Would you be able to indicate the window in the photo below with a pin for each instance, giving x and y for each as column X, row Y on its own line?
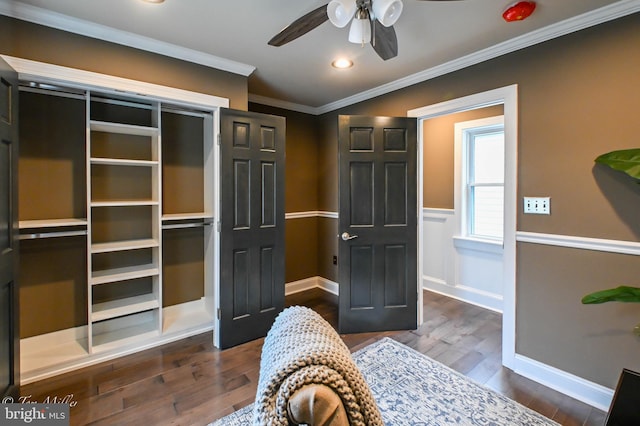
column 481, row 145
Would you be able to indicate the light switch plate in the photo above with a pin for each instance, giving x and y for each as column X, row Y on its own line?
column 537, row 205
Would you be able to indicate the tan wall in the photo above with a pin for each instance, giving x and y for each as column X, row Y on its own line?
column 39, row 43
column 438, row 143
column 301, row 192
column 592, row 341
column 578, row 98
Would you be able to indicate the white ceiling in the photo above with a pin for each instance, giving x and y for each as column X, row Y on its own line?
column 433, row 37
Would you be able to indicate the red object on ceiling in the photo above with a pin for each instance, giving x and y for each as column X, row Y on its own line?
column 519, row 11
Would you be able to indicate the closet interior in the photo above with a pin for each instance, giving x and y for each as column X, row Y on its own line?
column 116, row 215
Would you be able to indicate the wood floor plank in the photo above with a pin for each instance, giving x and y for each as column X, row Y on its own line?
column 190, row 382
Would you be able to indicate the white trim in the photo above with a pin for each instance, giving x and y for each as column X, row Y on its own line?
column 71, row 77
column 509, row 97
column 477, row 244
column 329, row 286
column 328, row 215
column 464, row 294
column 583, row 243
column 576, row 387
column 37, row 15
column 311, row 283
column 317, row 213
column 589, row 19
column 428, row 212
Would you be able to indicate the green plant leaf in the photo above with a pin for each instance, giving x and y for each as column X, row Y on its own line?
column 626, row 160
column 618, row 294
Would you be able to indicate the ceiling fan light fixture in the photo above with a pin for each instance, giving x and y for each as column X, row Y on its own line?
column 387, row 11
column 360, row 31
column 340, row 12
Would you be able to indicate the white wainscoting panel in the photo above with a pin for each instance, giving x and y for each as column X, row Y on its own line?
column 465, row 270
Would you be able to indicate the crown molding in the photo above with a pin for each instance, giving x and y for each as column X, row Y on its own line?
column 277, row 103
column 41, row 16
column 36, row 15
column 604, row 14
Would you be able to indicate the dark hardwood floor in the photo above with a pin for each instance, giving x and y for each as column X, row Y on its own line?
column 190, row 382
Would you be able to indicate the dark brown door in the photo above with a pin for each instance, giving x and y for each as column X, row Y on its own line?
column 9, row 343
column 378, row 235
column 252, row 230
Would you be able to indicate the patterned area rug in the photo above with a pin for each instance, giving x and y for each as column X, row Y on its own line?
column 412, row 389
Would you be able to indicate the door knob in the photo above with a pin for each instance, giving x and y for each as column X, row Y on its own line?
column 346, row 237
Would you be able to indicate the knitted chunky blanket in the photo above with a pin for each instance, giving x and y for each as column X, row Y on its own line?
column 303, row 349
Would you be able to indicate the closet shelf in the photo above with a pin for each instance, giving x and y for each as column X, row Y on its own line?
column 122, row 307
column 134, row 335
column 124, row 203
column 127, row 129
column 122, row 274
column 123, row 245
column 122, row 162
column 51, row 223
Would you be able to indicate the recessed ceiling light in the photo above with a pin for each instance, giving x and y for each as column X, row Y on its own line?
column 154, row 1
column 342, row 63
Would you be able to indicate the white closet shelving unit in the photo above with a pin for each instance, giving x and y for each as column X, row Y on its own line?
column 123, row 184
column 137, row 229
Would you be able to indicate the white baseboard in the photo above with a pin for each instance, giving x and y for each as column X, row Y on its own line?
column 311, row 283
column 576, row 387
column 470, row 295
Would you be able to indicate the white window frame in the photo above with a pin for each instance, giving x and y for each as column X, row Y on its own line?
column 462, row 193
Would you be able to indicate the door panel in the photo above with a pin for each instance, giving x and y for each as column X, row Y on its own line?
column 252, row 230
column 9, row 343
column 378, row 224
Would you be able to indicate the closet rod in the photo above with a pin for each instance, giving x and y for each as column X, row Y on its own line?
column 52, row 91
column 51, row 235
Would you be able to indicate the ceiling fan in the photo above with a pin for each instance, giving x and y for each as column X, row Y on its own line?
column 371, row 22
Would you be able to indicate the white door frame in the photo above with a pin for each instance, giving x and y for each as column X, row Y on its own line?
column 507, row 96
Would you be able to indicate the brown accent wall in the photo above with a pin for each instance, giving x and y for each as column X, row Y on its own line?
column 578, row 98
column 31, row 41
column 438, row 143
column 182, row 265
column 327, row 248
column 301, row 251
column 53, row 285
column 301, row 191
column 591, row 341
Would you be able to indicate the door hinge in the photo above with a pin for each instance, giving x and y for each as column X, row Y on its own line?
column 219, row 226
column 219, row 313
column 219, row 138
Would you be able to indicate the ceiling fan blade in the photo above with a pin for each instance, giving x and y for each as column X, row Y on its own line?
column 301, row 26
column 385, row 41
